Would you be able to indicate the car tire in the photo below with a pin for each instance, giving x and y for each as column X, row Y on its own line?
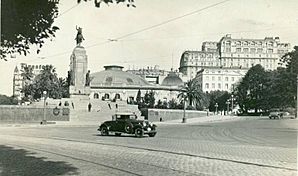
column 104, row 131
column 118, row 134
column 152, row 134
column 139, row 132
column 128, row 128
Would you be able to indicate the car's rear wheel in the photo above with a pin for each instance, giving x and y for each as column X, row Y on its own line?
column 128, row 128
column 152, row 134
column 104, row 131
column 139, row 132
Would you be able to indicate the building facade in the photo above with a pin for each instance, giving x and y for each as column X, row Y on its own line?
column 216, row 78
column 245, row 53
column 232, row 57
column 18, row 80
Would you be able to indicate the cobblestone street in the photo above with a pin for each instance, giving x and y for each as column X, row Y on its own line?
column 246, row 146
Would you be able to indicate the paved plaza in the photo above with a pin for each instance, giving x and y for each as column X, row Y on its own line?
column 231, row 146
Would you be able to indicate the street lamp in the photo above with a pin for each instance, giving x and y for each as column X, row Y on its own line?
column 232, row 102
column 228, row 105
column 216, row 106
column 184, row 107
column 44, row 121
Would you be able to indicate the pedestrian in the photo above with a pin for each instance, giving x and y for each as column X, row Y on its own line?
column 72, row 105
column 109, row 105
column 116, row 106
column 60, row 103
column 89, row 107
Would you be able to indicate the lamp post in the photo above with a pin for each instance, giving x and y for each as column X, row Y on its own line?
column 44, row 121
column 184, row 107
column 228, row 105
column 216, row 106
column 232, row 102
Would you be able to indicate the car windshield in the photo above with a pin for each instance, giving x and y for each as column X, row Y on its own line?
column 124, row 117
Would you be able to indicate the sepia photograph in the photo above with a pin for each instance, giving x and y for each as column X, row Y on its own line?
column 148, row 87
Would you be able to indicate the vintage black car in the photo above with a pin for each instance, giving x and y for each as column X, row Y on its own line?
column 127, row 123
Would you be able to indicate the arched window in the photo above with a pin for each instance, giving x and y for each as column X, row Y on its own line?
column 117, row 96
column 95, row 96
column 106, row 96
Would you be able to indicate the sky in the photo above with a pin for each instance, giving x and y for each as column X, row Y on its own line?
column 160, row 45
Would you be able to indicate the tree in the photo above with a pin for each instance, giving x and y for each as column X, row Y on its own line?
column 159, row 104
column 173, row 104
column 149, row 99
column 48, row 81
column 219, row 97
column 139, row 98
column 250, row 91
column 97, row 3
column 26, row 23
column 27, row 75
column 192, row 93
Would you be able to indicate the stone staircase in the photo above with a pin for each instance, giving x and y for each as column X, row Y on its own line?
column 100, row 110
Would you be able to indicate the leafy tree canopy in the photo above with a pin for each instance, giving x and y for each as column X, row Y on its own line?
column 48, row 81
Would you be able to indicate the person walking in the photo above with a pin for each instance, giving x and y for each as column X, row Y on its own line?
column 89, row 107
column 109, row 105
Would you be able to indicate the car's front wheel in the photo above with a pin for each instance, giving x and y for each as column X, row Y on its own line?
column 139, row 132
column 104, row 131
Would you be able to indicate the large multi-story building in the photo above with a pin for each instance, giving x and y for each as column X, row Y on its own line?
column 224, row 79
column 245, row 53
column 18, row 80
column 232, row 57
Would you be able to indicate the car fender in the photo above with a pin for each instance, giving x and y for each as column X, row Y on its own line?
column 137, row 126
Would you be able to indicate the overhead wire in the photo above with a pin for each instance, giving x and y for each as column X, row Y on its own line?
column 147, row 28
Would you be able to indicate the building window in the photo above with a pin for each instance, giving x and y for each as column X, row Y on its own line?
column 228, row 50
column 219, row 78
column 270, row 50
column 238, row 50
column 207, row 85
column 219, row 85
column 253, row 50
column 228, row 43
column 260, row 50
column 270, row 44
column 207, row 78
column 227, row 86
column 233, row 78
column 227, row 78
column 245, row 43
column 245, row 50
column 213, row 78
column 96, row 96
column 238, row 43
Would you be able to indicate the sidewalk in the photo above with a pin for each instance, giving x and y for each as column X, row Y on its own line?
column 213, row 118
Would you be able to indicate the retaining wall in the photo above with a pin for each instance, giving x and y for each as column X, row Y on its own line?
column 26, row 114
column 172, row 114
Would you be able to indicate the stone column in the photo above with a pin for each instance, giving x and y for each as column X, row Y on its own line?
column 78, row 68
